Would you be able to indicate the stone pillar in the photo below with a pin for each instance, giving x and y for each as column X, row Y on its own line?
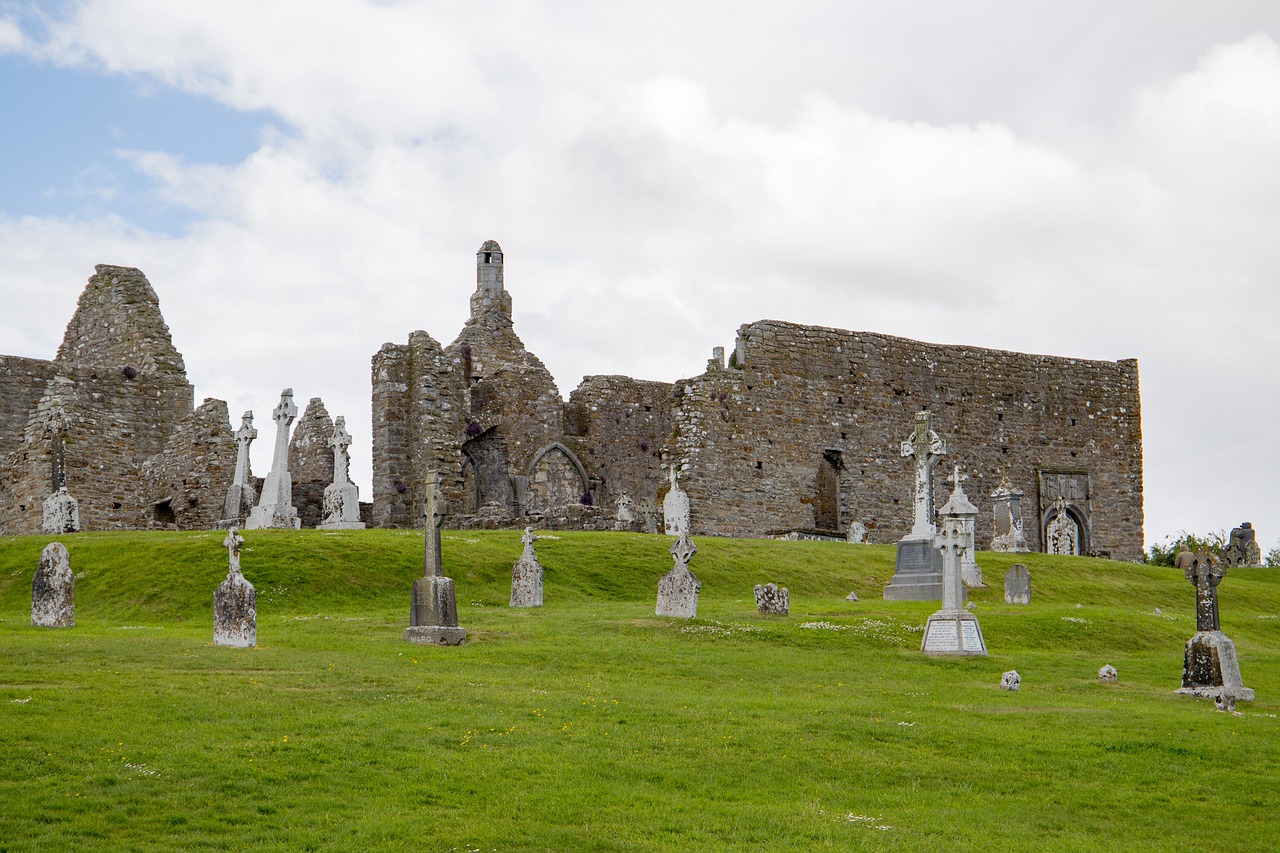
column 433, row 611
column 53, row 589
column 275, row 508
column 342, row 497
column 60, row 512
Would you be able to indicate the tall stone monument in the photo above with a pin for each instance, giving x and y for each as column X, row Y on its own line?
column 433, row 612
column 1010, row 538
column 678, row 590
column 342, row 497
column 526, row 575
column 275, row 507
column 1209, row 667
column 953, row 631
column 235, row 602
column 53, row 589
column 1242, row 547
column 675, row 508
column 60, row 513
column 241, row 495
column 917, row 571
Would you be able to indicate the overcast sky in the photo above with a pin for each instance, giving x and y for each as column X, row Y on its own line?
column 303, row 181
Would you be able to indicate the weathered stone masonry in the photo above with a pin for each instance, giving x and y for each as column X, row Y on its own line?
column 800, row 429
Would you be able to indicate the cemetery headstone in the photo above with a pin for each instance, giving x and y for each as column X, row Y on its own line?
column 275, row 507
column 1242, row 547
column 1210, row 667
column 235, row 602
column 678, row 590
column 1108, row 674
column 241, row 495
column 433, row 613
column 1011, row 681
column 1017, row 585
column 526, row 575
column 649, row 513
column 970, row 571
column 60, row 512
column 624, row 505
column 770, row 598
column 953, row 631
column 341, row 497
column 675, row 508
column 1010, row 538
column 857, row 533
column 917, row 571
column 53, row 589
column 853, row 596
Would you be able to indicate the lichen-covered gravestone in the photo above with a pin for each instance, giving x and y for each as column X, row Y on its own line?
column 678, row 590
column 53, row 589
column 1017, row 585
column 526, row 575
column 1108, row 675
column 1210, row 668
column 1007, row 505
column 1242, row 547
column 770, row 598
column 235, row 602
column 1011, row 681
column 433, row 612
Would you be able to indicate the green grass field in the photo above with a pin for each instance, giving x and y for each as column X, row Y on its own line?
column 591, row 724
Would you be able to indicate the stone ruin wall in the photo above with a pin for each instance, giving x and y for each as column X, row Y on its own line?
column 310, row 461
column 123, row 388
column 186, row 483
column 753, row 437
column 623, row 425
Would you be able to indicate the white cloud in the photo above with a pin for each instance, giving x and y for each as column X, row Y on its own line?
column 11, row 38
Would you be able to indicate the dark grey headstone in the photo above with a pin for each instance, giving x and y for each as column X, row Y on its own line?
column 1017, row 585
column 917, row 572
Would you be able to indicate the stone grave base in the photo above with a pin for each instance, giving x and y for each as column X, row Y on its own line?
column 953, row 633
column 1210, row 668
column 436, row 635
column 341, row 525
column 60, row 514
column 273, row 518
column 917, row 572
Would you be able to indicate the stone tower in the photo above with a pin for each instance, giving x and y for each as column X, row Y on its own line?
column 491, row 301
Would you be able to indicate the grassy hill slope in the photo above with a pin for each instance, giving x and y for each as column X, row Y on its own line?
column 592, row 724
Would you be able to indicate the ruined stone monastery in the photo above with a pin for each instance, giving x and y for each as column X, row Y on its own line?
column 799, row 429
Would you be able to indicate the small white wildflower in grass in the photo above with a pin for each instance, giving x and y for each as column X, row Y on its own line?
column 28, row 699
column 1267, row 616
column 547, row 536
column 1076, row 620
column 904, row 723
column 825, row 626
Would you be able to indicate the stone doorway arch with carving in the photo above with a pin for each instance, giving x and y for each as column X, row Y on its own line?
column 556, row 478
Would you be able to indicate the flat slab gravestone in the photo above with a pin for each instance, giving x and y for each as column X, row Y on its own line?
column 678, row 590
column 53, row 589
column 526, row 575
column 772, row 599
column 235, row 602
column 1017, row 585
column 433, row 609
